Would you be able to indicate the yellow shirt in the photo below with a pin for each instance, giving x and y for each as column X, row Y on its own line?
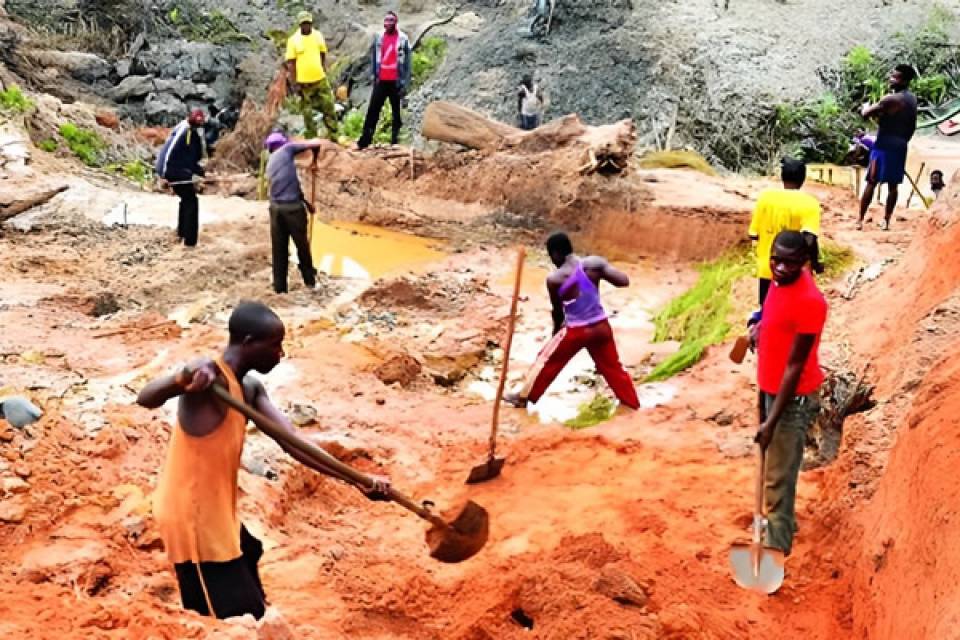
column 779, row 210
column 306, row 51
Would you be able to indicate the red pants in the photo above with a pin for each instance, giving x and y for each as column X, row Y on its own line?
column 598, row 340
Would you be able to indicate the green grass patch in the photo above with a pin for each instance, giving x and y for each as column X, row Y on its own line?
column 49, row 145
column 677, row 160
column 836, row 258
column 85, row 144
column 592, row 413
column 12, row 100
column 699, row 317
column 351, row 127
column 427, row 58
column 135, row 170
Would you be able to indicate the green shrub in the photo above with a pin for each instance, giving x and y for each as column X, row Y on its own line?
column 819, row 130
column 135, row 170
column 351, row 127
column 199, row 25
column 427, row 58
column 85, row 144
column 12, row 100
column 49, row 145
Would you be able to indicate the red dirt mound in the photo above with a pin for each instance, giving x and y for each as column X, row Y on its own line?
column 906, row 562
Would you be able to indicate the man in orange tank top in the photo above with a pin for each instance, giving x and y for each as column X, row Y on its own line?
column 195, row 505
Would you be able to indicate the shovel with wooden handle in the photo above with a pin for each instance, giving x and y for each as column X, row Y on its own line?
column 492, row 467
column 313, row 202
column 448, row 542
column 754, row 566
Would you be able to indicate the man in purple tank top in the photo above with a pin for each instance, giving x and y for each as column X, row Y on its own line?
column 579, row 322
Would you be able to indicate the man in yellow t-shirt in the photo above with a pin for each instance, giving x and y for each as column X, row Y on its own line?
column 784, row 209
column 306, row 61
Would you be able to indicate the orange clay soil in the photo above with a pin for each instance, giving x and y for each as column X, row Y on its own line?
column 619, row 531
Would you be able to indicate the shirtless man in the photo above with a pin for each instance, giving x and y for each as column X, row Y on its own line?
column 897, row 117
column 579, row 322
column 195, row 505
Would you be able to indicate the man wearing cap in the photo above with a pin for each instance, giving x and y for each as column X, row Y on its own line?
column 390, row 62
column 306, row 68
column 288, row 209
column 178, row 161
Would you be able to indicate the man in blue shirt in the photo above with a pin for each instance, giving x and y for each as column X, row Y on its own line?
column 288, row 209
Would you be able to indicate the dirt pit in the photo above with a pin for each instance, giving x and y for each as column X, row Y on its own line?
column 620, row 531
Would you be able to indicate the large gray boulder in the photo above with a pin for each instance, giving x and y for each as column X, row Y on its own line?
column 132, row 87
column 179, row 59
column 164, row 109
column 86, row 67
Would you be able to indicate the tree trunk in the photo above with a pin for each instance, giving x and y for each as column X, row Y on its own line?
column 11, row 205
column 449, row 122
column 606, row 147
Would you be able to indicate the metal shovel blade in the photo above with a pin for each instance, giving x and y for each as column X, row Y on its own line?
column 757, row 568
column 462, row 538
column 486, row 471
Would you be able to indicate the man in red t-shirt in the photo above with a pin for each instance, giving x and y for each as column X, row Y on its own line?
column 390, row 59
column 789, row 376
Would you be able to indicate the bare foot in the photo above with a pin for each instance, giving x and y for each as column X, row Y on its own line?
column 514, row 400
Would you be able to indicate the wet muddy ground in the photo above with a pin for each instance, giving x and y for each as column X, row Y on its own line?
column 618, row 531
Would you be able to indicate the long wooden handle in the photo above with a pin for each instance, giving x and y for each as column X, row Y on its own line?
column 758, row 506
column 322, row 458
column 923, row 165
column 511, row 323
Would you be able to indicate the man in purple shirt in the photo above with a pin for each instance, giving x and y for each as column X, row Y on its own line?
column 288, row 209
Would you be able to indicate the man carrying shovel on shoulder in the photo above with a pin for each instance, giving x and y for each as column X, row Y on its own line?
column 177, row 163
column 195, row 505
column 789, row 376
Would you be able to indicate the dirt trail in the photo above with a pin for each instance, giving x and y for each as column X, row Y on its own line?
column 619, row 531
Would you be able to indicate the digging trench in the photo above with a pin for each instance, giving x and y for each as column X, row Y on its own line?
column 619, row 531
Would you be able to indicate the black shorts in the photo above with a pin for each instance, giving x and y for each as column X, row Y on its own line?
column 234, row 586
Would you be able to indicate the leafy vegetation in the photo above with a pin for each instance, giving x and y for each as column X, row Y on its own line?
column 700, row 317
column 12, row 100
column 351, row 127
column 199, row 25
column 427, row 58
column 592, row 413
column 85, row 144
column 135, row 170
column 279, row 39
column 819, row 129
column 49, row 145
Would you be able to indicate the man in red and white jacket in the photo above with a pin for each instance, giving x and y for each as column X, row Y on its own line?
column 390, row 58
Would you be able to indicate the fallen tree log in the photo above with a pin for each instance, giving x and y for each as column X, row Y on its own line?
column 606, row 147
column 11, row 205
column 449, row 122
